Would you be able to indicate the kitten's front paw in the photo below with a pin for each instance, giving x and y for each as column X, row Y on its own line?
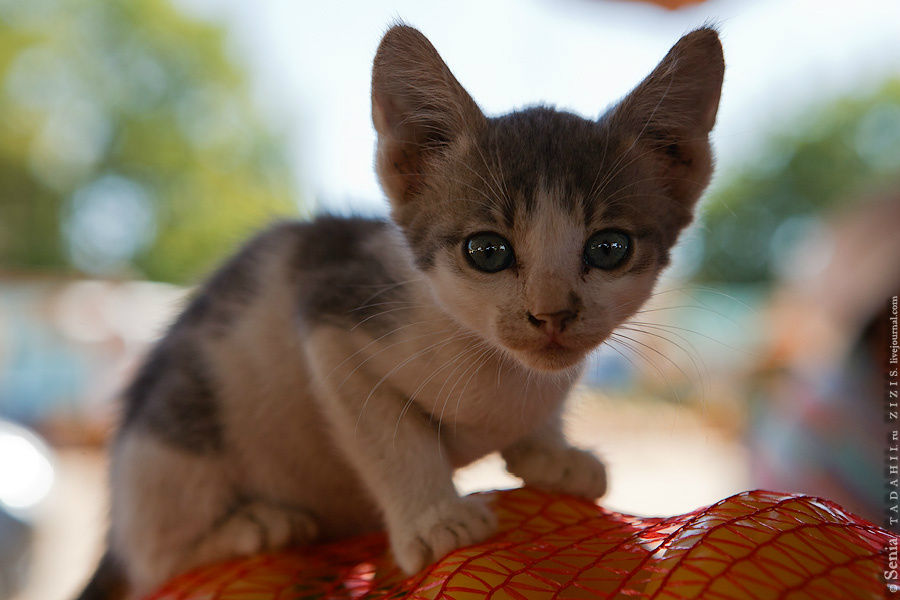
column 568, row 470
column 440, row 529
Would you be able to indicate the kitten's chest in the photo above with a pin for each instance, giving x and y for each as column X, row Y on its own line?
column 492, row 417
column 476, row 400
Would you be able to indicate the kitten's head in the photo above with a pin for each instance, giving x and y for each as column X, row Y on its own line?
column 539, row 229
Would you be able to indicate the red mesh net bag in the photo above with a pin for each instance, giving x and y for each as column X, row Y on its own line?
column 753, row 545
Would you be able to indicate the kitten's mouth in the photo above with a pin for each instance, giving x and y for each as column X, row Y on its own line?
column 552, row 356
column 555, row 352
column 552, row 353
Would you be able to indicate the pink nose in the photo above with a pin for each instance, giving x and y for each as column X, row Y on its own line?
column 554, row 322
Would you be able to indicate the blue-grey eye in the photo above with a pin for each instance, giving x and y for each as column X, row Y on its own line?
column 607, row 249
column 488, row 252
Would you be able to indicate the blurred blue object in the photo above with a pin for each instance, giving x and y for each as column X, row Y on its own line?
column 39, row 368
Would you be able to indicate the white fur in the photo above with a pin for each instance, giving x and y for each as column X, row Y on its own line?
column 331, row 433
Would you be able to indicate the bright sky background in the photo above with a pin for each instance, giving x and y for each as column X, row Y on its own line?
column 310, row 64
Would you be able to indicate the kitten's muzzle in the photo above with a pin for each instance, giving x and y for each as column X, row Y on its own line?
column 552, row 323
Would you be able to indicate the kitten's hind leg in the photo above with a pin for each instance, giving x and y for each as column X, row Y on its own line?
column 252, row 527
column 174, row 510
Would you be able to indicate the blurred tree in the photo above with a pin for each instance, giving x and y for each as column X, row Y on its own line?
column 128, row 142
column 834, row 156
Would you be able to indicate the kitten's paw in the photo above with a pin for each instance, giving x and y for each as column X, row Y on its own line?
column 441, row 529
column 568, row 470
column 260, row 526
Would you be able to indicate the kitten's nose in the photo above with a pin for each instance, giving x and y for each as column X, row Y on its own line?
column 553, row 322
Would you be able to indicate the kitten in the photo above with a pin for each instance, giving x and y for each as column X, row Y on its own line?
column 330, row 377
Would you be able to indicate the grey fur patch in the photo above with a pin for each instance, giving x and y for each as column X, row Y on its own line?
column 340, row 281
column 425, row 242
column 220, row 300
column 542, row 147
column 173, row 397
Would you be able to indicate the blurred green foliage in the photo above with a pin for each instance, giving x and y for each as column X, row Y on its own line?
column 129, row 145
column 830, row 157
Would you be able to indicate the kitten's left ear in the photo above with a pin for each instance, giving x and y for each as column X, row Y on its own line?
column 418, row 108
column 670, row 114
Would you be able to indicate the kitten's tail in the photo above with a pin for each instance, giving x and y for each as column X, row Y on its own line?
column 107, row 583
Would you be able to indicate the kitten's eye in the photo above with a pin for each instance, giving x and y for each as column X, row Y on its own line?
column 607, row 249
column 488, row 252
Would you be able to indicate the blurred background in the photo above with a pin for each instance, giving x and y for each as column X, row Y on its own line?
column 142, row 140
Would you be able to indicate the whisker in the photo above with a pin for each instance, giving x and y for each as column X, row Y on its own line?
column 695, row 332
column 375, row 341
column 724, row 295
column 390, row 286
column 688, row 306
column 387, row 303
column 660, row 372
column 379, row 314
column 608, row 343
column 385, row 349
column 450, row 391
column 445, row 364
column 652, row 349
column 494, row 190
column 694, row 356
column 394, row 370
column 484, row 358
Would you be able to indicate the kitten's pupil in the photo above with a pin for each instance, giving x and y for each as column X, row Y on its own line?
column 607, row 249
column 488, row 252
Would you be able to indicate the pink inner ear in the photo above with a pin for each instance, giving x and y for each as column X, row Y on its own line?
column 709, row 118
column 397, row 163
column 384, row 114
column 378, row 118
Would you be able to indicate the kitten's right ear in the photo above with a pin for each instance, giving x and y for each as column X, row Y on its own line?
column 670, row 114
column 418, row 107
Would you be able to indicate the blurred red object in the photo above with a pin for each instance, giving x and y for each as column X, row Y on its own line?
column 752, row 545
column 671, row 4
